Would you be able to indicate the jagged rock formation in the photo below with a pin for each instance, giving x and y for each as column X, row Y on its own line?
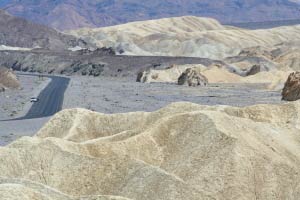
column 8, row 79
column 188, row 36
column 192, row 77
column 291, row 90
column 183, row 151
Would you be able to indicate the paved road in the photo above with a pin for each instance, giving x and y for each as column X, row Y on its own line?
column 50, row 99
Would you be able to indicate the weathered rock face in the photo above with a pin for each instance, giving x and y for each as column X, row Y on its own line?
column 192, row 77
column 183, row 151
column 291, row 90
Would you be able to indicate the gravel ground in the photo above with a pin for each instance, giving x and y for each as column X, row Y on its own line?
column 112, row 95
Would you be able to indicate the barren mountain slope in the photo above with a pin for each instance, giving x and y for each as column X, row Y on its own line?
column 17, row 32
column 185, row 36
column 183, row 151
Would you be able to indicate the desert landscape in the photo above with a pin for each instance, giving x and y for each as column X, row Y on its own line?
column 149, row 107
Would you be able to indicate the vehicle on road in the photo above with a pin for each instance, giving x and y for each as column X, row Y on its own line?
column 34, row 99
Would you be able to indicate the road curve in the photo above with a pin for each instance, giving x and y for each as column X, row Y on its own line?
column 50, row 99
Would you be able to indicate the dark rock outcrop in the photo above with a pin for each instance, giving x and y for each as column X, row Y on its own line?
column 2, row 88
column 192, row 77
column 104, row 51
column 139, row 77
column 291, row 90
column 92, row 69
column 254, row 70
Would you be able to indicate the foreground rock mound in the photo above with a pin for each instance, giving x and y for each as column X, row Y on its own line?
column 192, row 77
column 291, row 90
column 8, row 79
column 183, row 151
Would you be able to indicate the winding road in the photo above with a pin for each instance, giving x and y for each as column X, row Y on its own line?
column 50, row 99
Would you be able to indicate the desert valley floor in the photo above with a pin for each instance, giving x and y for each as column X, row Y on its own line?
column 121, row 95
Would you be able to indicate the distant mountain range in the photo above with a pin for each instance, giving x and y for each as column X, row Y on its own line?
column 73, row 14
